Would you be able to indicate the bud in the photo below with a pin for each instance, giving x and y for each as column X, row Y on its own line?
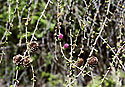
column 61, row 36
column 66, row 45
column 18, row 59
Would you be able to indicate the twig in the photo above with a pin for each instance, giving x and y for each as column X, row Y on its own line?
column 42, row 14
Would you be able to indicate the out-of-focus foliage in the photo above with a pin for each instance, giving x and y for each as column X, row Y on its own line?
column 82, row 22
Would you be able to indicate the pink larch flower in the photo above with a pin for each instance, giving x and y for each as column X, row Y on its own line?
column 61, row 36
column 66, row 45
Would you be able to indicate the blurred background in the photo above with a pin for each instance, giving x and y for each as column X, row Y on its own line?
column 91, row 28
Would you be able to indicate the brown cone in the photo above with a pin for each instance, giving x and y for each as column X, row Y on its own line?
column 18, row 59
column 80, row 62
column 33, row 46
column 26, row 61
column 92, row 60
